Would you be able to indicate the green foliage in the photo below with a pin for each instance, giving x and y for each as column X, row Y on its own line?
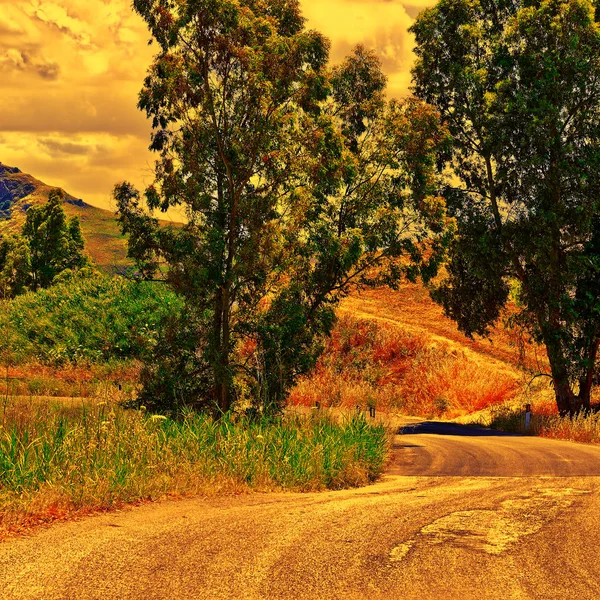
column 48, row 245
column 298, row 183
column 86, row 317
column 15, row 266
column 518, row 85
column 177, row 374
column 55, row 242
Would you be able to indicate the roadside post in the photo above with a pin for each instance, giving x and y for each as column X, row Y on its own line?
column 372, row 412
column 527, row 416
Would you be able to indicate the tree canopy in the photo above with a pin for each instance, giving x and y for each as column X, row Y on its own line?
column 518, row 85
column 49, row 244
column 298, row 182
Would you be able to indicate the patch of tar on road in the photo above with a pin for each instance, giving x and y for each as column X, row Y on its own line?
column 492, row 531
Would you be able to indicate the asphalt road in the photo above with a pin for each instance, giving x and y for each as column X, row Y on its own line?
column 460, row 514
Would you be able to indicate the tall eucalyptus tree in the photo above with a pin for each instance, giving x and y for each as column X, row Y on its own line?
column 518, row 85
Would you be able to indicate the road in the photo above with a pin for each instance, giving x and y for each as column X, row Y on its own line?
column 461, row 513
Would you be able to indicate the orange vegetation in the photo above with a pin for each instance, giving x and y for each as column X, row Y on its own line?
column 413, row 309
column 67, row 380
column 382, row 363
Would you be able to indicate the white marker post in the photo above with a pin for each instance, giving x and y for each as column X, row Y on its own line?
column 527, row 416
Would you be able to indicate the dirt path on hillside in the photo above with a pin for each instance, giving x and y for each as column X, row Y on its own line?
column 476, row 355
column 461, row 514
column 411, row 308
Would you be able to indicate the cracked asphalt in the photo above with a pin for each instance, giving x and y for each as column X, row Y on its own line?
column 461, row 513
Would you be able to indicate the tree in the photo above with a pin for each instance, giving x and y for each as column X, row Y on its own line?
column 15, row 266
column 518, row 85
column 262, row 146
column 55, row 242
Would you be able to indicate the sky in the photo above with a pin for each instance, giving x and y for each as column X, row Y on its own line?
column 71, row 70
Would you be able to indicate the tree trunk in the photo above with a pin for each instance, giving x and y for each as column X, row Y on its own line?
column 221, row 325
column 567, row 401
column 221, row 335
column 587, row 380
column 225, row 399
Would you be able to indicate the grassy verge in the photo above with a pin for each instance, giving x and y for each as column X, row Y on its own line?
column 582, row 428
column 56, row 460
column 102, row 380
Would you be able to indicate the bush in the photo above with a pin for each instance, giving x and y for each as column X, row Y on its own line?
column 87, row 317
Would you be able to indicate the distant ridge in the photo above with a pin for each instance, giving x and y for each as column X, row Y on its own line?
column 104, row 242
column 16, row 185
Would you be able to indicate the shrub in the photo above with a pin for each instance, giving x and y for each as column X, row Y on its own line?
column 87, row 317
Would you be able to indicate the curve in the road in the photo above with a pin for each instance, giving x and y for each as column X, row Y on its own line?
column 482, row 517
column 432, row 449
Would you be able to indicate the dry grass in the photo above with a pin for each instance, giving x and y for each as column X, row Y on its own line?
column 379, row 363
column 412, row 308
column 70, row 381
column 545, row 422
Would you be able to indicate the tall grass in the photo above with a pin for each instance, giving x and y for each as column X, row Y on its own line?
column 371, row 363
column 57, row 459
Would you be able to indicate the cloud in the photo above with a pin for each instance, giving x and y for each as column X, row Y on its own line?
column 57, row 147
column 378, row 24
column 86, row 165
column 56, row 15
column 21, row 60
column 71, row 71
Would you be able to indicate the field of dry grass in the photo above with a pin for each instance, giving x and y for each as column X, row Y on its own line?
column 380, row 363
column 412, row 308
column 69, row 381
column 396, row 350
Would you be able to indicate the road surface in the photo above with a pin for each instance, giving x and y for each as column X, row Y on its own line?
column 461, row 514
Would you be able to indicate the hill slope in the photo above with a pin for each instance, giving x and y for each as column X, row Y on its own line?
column 104, row 242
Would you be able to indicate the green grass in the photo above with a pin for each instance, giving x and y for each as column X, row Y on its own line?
column 104, row 242
column 58, row 459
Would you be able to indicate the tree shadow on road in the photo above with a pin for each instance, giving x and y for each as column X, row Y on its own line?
column 442, row 428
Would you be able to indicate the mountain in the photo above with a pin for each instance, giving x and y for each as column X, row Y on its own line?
column 104, row 242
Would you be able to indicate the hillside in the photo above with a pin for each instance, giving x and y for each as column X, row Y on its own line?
column 104, row 242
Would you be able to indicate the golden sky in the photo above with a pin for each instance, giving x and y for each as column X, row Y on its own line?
column 70, row 72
